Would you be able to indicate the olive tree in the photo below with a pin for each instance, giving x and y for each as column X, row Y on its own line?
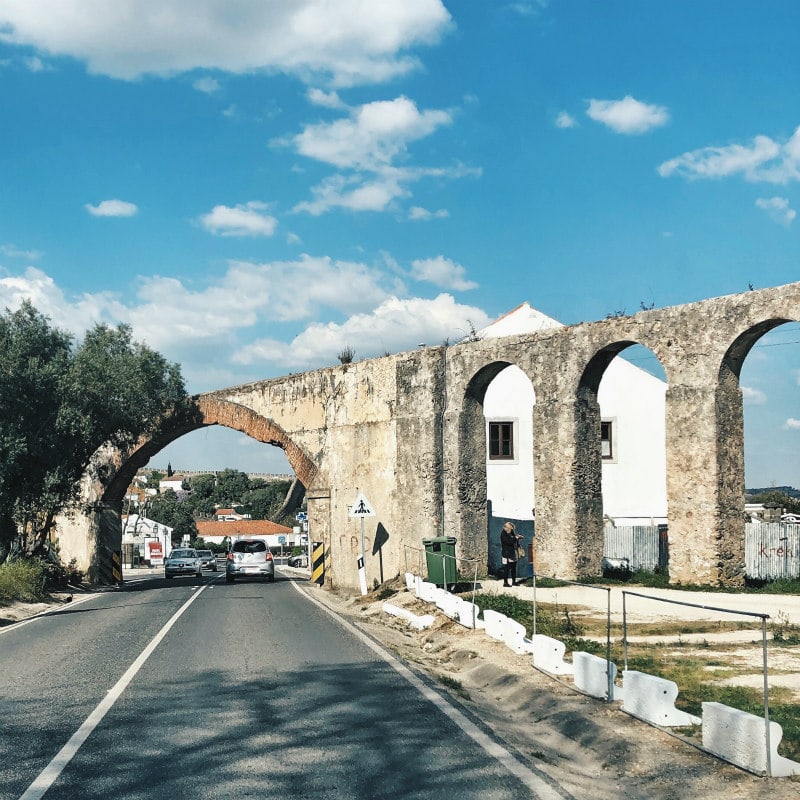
column 59, row 402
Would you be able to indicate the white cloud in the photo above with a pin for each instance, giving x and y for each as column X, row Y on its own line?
column 377, row 192
column 565, row 120
column 443, row 272
column 353, row 193
column 753, row 397
column 763, row 160
column 112, row 208
column 206, row 85
column 12, row 251
column 325, row 99
column 628, row 116
column 792, row 424
column 218, row 332
column 394, row 326
column 417, row 213
column 348, row 41
column 778, row 209
column 365, row 146
column 35, row 64
column 241, row 220
column 73, row 315
column 374, row 135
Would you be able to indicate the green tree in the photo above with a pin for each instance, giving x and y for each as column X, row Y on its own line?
column 167, row 509
column 201, row 497
column 266, row 498
column 778, row 498
column 230, row 487
column 59, row 402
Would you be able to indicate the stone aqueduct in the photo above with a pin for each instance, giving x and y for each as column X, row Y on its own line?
column 408, row 431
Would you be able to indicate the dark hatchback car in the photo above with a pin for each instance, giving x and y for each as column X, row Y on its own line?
column 208, row 560
column 249, row 558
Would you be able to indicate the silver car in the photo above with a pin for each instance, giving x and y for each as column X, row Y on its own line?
column 249, row 558
column 183, row 561
column 207, row 559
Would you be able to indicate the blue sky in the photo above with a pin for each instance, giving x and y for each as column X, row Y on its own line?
column 254, row 185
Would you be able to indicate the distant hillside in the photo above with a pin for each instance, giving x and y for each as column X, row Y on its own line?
column 787, row 490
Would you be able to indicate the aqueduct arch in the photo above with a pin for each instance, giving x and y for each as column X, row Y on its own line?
column 95, row 530
column 407, row 431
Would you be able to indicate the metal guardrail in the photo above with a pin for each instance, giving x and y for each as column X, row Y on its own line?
column 444, row 556
column 607, row 590
column 765, row 670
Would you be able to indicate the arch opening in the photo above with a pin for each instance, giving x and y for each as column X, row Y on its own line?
column 471, row 472
column 620, row 475
column 759, row 431
column 508, row 406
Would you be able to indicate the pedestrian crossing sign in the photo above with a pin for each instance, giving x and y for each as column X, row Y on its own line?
column 361, row 507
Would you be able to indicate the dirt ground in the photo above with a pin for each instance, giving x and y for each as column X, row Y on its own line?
column 591, row 749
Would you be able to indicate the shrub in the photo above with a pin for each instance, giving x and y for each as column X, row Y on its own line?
column 23, row 580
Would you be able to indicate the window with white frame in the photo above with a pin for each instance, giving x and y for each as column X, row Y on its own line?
column 607, row 439
column 501, row 440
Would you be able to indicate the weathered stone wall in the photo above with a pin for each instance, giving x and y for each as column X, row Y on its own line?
column 408, row 431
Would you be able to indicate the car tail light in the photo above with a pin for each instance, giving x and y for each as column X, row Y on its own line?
column 269, row 556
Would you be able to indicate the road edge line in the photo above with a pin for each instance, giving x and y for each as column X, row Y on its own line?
column 48, row 776
column 538, row 784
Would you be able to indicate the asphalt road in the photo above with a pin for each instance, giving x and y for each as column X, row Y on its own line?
column 199, row 689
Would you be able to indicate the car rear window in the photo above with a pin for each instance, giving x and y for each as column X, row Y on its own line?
column 249, row 547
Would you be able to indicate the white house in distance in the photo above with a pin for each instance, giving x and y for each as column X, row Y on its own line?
column 632, row 404
column 174, row 482
column 148, row 539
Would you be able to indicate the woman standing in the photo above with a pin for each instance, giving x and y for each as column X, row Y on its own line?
column 509, row 543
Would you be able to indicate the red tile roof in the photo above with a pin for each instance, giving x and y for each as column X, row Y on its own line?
column 239, row 527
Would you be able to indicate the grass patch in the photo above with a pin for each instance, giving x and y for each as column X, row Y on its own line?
column 454, row 685
column 783, row 631
column 22, row 580
column 551, row 619
column 697, row 684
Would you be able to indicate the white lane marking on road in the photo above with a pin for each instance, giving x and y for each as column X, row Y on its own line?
column 538, row 785
column 47, row 613
column 47, row 777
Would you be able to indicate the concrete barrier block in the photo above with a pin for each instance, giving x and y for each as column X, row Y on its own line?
column 548, row 654
column 653, row 699
column 416, row 621
column 741, row 738
column 429, row 592
column 448, row 603
column 592, row 675
column 469, row 615
column 494, row 624
column 515, row 639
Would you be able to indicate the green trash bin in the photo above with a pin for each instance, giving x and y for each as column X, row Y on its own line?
column 440, row 560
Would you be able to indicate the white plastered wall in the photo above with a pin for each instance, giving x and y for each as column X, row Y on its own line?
column 634, row 480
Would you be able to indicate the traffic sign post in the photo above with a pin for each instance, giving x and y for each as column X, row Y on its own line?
column 362, row 573
column 361, row 509
column 302, row 518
